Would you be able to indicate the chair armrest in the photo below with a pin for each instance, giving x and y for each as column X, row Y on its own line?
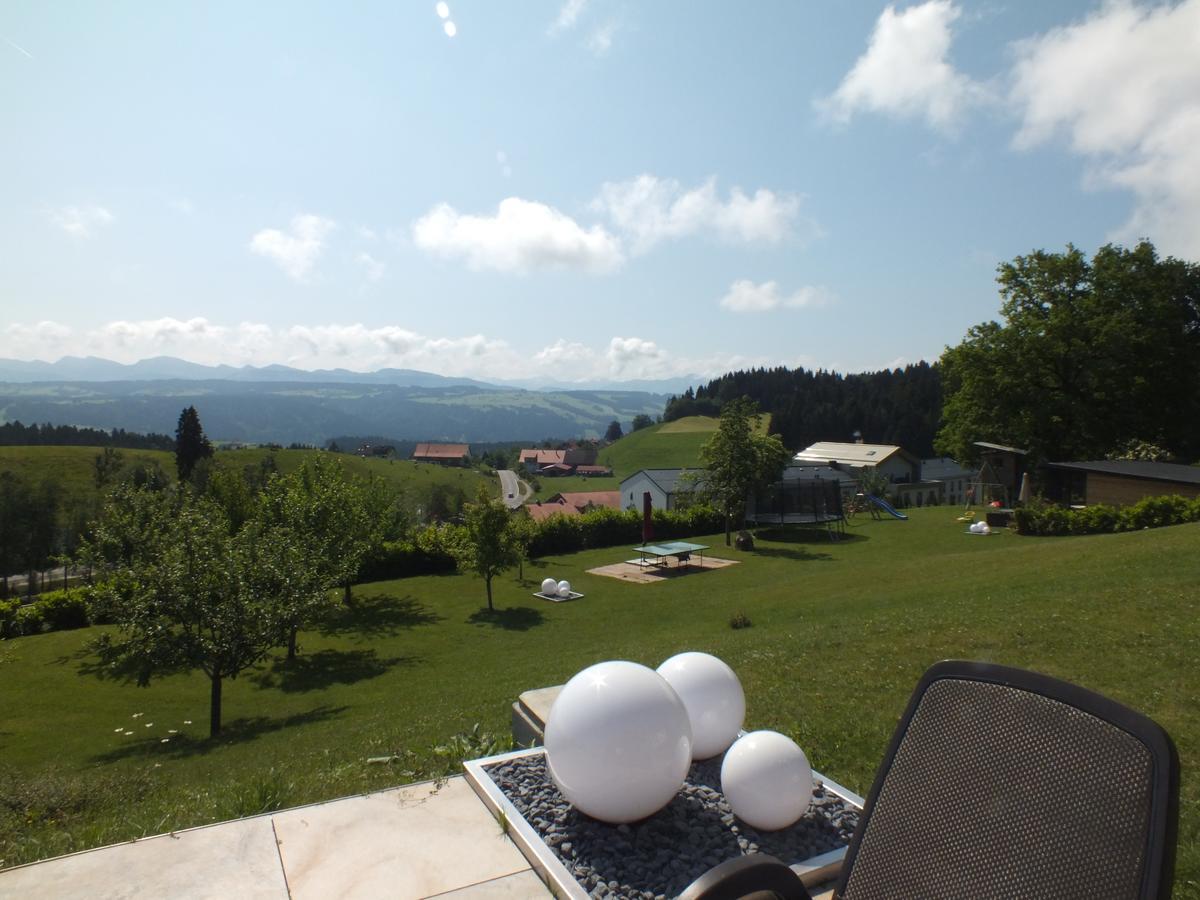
column 746, row 875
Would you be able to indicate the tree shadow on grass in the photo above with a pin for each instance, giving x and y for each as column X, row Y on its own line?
column 315, row 671
column 105, row 660
column 377, row 615
column 237, row 731
column 514, row 618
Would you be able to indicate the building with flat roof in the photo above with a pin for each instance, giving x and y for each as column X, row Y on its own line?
column 443, row 454
column 1118, row 482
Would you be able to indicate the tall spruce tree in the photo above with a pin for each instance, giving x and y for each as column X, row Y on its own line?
column 191, row 445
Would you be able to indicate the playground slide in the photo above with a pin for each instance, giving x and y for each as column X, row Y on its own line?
column 885, row 506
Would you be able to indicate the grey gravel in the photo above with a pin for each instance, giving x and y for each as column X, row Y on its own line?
column 661, row 855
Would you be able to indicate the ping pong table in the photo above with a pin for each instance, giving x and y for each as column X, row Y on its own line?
column 659, row 555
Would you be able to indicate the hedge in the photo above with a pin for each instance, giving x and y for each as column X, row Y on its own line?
column 52, row 611
column 1150, row 512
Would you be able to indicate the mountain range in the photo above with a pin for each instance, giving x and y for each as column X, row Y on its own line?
column 277, row 404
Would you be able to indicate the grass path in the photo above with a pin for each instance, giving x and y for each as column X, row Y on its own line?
column 841, row 633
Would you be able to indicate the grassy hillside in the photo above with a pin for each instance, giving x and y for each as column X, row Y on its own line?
column 670, row 445
column 841, row 632
column 71, row 467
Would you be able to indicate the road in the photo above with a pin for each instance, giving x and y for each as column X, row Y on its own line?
column 513, row 490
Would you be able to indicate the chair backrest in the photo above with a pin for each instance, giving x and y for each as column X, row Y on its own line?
column 1002, row 783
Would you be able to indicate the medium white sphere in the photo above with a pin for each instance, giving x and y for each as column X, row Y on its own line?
column 564, row 589
column 618, row 742
column 549, row 586
column 713, row 697
column 766, row 779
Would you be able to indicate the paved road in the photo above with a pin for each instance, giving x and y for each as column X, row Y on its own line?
column 513, row 490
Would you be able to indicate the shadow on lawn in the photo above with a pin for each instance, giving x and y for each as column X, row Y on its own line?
column 237, row 731
column 789, row 553
column 785, row 535
column 377, row 615
column 514, row 618
column 314, row 671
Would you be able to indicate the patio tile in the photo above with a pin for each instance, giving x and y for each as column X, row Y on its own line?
column 409, row 842
column 522, row 885
column 235, row 859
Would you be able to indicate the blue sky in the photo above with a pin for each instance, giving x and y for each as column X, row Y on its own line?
column 578, row 190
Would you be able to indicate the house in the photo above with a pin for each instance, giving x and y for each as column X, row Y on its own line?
column 443, row 454
column 667, row 487
column 954, row 479
column 896, row 463
column 594, row 471
column 557, row 462
column 574, row 503
column 1118, row 482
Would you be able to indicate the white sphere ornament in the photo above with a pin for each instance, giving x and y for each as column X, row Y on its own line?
column 767, row 781
column 713, row 697
column 564, row 589
column 549, row 586
column 618, row 742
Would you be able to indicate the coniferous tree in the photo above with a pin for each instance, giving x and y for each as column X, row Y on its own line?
column 191, row 445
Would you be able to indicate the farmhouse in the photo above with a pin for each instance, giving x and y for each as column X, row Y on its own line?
column 443, row 454
column 557, row 462
column 896, row 463
column 573, row 503
column 667, row 487
column 1118, row 482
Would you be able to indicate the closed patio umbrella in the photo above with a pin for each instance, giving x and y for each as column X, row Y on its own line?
column 647, row 519
column 1024, row 495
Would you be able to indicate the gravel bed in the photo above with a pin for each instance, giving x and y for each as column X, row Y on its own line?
column 660, row 856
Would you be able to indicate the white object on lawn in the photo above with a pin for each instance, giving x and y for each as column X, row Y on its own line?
column 549, row 586
column 564, row 589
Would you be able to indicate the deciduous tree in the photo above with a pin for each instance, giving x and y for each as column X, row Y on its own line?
column 489, row 545
column 739, row 460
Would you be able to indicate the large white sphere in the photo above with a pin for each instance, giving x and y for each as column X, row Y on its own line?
column 564, row 589
column 713, row 697
column 767, row 780
column 549, row 586
column 618, row 742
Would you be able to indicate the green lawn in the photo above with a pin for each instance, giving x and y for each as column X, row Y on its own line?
column 668, row 445
column 841, row 632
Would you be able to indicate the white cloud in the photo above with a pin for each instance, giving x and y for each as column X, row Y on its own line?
column 362, row 348
column 522, row 236
column 81, row 221
column 746, row 296
column 904, row 71
column 650, row 209
column 372, row 268
column 568, row 16
column 297, row 250
column 600, row 41
column 1123, row 87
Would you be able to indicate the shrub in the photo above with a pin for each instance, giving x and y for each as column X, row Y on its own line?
column 29, row 619
column 740, row 620
column 8, row 618
column 1150, row 512
column 64, row 610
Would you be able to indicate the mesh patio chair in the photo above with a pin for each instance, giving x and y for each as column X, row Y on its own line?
column 1002, row 783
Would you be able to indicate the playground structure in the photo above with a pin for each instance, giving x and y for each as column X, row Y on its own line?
column 876, row 506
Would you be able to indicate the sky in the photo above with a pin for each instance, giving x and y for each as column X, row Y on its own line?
column 578, row 190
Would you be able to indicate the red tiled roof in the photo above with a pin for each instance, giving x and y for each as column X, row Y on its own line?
column 543, row 457
column 540, row 512
column 441, row 451
column 583, row 499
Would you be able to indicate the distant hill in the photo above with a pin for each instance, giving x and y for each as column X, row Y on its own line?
column 309, row 412
column 93, row 368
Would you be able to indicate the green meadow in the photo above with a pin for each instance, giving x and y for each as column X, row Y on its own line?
column 840, row 634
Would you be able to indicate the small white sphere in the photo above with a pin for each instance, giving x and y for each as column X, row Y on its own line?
column 713, row 696
column 549, row 586
column 618, row 742
column 767, row 780
column 564, row 589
